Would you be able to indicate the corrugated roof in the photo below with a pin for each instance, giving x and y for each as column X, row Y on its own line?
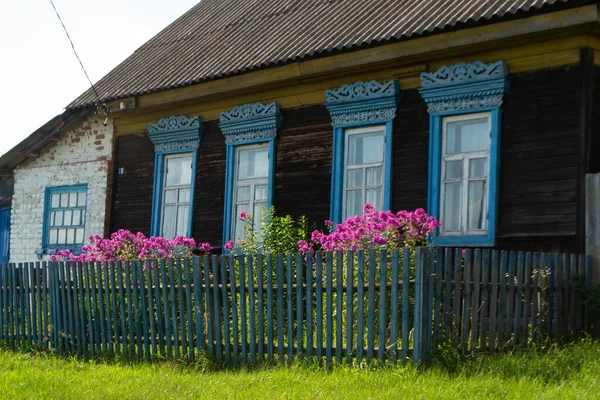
column 218, row 38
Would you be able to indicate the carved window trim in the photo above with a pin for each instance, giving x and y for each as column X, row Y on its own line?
column 173, row 135
column 463, row 89
column 247, row 124
column 360, row 104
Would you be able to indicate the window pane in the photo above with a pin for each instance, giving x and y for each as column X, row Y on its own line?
column 452, row 206
column 258, row 207
column 76, row 217
column 374, row 176
column 243, row 193
column 475, row 217
column 168, row 223
column 179, row 171
column 58, row 218
column 55, row 200
column 182, row 220
column 72, row 199
column 170, row 196
column 184, row 195
column 53, row 236
column 62, row 236
column 365, row 148
column 81, row 199
column 454, row 169
column 477, row 167
column 67, row 218
column 375, row 197
column 253, row 163
column 79, row 235
column 70, row 236
column 260, row 192
column 52, row 218
column 239, row 225
column 64, row 200
column 467, row 136
column 354, row 203
column 355, row 178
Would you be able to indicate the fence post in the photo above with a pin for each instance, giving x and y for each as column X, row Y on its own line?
column 421, row 264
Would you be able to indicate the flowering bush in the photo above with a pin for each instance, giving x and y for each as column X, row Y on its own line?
column 125, row 245
column 278, row 234
column 375, row 229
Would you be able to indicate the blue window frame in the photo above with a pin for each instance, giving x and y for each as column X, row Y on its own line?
column 362, row 115
column 176, row 140
column 250, row 131
column 464, row 148
column 65, row 210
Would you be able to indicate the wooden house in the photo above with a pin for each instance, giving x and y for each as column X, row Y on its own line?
column 485, row 113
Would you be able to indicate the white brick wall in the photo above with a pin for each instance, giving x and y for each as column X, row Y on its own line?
column 80, row 156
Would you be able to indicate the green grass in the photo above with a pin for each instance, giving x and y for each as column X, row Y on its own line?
column 572, row 371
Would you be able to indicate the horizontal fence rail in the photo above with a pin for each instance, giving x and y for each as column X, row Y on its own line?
column 337, row 306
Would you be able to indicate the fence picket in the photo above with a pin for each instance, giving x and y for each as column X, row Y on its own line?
column 243, row 313
column 371, row 306
column 494, row 300
column 180, row 316
column 299, row 317
column 484, row 305
column 360, row 307
column 280, row 341
column 382, row 307
column 234, row 310
column 209, row 309
column 225, row 303
column 309, row 304
column 290, row 315
column 476, row 304
column 466, row 312
column 270, row 344
column 197, row 273
column 329, row 309
column 456, row 306
column 158, row 300
column 319, row 310
column 394, row 307
column 406, row 314
column 338, row 305
column 151, row 307
column 143, row 307
column 502, row 296
column 261, row 307
column 518, row 299
column 216, row 314
column 526, row 320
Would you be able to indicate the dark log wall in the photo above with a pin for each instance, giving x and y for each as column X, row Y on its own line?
column 540, row 165
column 411, row 152
column 540, row 160
column 133, row 190
column 210, row 186
column 303, row 164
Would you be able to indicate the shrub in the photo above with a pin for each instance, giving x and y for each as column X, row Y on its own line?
column 125, row 245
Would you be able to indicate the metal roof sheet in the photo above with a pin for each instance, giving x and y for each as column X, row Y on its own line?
column 219, row 38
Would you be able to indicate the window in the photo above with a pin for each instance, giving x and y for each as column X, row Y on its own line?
column 251, row 186
column 176, row 141
column 464, row 141
column 176, row 196
column 465, row 174
column 364, row 162
column 64, row 217
column 250, row 132
column 362, row 115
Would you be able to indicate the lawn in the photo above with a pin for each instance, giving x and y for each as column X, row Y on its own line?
column 569, row 372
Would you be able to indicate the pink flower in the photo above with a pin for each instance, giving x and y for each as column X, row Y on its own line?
column 229, row 245
column 244, row 216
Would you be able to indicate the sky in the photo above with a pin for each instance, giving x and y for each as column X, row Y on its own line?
column 39, row 72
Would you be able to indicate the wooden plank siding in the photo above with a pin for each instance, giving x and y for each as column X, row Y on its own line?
column 540, row 166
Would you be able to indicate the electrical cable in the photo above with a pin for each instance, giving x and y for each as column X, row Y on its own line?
column 76, row 55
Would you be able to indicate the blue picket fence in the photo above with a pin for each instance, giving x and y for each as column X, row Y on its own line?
column 341, row 306
column 4, row 234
